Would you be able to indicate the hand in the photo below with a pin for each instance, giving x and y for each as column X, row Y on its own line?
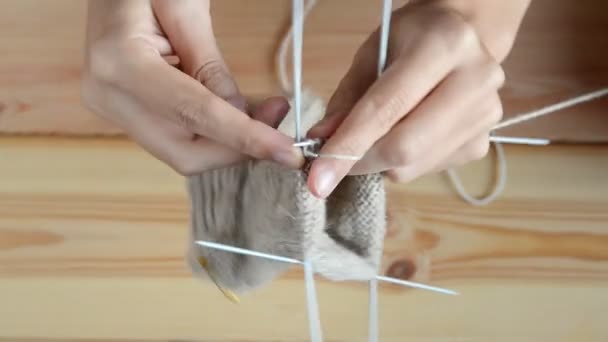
column 193, row 119
column 431, row 109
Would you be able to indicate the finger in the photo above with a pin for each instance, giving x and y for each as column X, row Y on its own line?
column 184, row 101
column 189, row 27
column 271, row 111
column 475, row 132
column 442, row 122
column 474, row 149
column 402, row 86
column 184, row 153
column 359, row 77
column 166, row 141
column 203, row 154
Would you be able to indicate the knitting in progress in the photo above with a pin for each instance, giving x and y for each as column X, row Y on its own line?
column 252, row 221
column 262, row 206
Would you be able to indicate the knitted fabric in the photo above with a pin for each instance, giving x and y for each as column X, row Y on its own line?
column 262, row 206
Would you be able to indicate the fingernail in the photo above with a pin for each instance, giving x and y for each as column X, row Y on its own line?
column 291, row 158
column 325, row 181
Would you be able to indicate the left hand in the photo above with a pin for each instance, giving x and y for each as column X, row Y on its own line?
column 432, row 108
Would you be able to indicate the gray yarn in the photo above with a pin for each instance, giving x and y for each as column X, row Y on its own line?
column 262, row 206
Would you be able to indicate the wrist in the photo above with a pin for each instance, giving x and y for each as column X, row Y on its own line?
column 496, row 22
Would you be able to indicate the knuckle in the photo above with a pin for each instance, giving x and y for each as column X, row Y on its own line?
column 215, row 76
column 189, row 116
column 405, row 153
column 396, row 176
column 247, row 143
column 457, row 34
column 498, row 75
column 479, row 149
column 401, row 175
column 385, row 111
column 185, row 167
column 496, row 111
column 210, row 70
column 494, row 75
column 103, row 63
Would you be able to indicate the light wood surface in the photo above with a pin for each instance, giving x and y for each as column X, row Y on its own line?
column 561, row 52
column 93, row 233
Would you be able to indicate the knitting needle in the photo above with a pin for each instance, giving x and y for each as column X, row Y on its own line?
column 244, row 251
column 297, row 19
column 274, row 257
column 373, row 330
column 518, row 140
column 416, row 285
column 314, row 321
column 174, row 60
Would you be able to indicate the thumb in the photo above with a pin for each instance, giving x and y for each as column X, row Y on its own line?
column 188, row 26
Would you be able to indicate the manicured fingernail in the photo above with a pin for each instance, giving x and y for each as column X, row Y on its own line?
column 325, row 181
column 291, row 158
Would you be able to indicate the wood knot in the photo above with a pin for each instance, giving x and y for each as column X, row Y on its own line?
column 23, row 107
column 401, row 269
column 2, row 107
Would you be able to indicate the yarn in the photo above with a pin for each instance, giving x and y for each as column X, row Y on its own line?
column 501, row 160
column 258, row 218
column 262, row 206
column 496, row 141
column 340, row 238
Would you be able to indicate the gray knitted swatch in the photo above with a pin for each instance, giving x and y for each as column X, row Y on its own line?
column 262, row 206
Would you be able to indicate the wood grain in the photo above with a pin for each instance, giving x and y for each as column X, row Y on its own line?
column 561, row 52
column 93, row 233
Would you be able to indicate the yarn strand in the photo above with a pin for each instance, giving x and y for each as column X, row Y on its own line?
column 501, row 179
column 553, row 108
column 499, row 184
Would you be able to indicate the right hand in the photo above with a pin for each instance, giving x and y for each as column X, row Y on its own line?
column 193, row 119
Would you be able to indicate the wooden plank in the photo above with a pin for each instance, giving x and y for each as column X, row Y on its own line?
column 561, row 52
column 93, row 233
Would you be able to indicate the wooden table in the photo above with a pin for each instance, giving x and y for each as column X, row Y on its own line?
column 93, row 233
column 560, row 52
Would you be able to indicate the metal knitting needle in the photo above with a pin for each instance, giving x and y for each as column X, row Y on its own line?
column 518, row 140
column 373, row 326
column 244, row 251
column 314, row 322
column 416, row 285
column 297, row 19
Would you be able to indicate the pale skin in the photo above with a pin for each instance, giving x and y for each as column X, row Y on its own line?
column 433, row 108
